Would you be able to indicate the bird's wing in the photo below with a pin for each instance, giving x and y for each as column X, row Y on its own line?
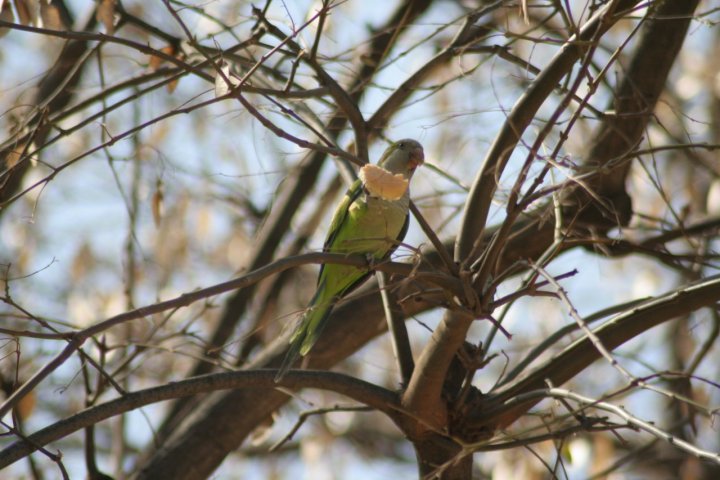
column 360, row 280
column 400, row 237
column 339, row 218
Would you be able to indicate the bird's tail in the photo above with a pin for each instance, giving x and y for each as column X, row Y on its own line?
column 305, row 335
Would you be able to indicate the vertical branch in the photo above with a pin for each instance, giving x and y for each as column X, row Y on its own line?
column 477, row 205
column 424, row 394
column 398, row 331
column 318, row 34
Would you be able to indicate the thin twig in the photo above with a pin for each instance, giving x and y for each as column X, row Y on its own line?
column 304, row 416
column 648, row 427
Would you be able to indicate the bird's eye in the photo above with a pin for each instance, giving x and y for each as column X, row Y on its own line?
column 401, row 144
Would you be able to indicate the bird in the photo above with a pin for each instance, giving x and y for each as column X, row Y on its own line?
column 372, row 219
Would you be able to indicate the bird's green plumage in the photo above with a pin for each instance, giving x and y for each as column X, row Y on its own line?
column 362, row 224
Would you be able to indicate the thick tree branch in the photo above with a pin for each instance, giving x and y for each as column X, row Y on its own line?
column 424, row 394
column 522, row 113
column 499, row 409
column 360, row 391
column 76, row 339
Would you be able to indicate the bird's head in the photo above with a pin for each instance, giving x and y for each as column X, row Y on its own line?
column 403, row 157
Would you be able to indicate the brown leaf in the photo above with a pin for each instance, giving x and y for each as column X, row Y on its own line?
column 27, row 11
column 83, row 262
column 171, row 86
column 156, row 61
column 14, row 156
column 106, row 15
column 6, row 15
column 26, row 405
column 157, row 205
column 52, row 17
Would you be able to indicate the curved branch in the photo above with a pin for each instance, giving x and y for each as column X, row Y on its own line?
column 633, row 421
column 364, row 392
column 76, row 339
column 466, row 35
column 579, row 355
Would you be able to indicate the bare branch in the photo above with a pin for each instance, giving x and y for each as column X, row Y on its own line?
column 363, row 392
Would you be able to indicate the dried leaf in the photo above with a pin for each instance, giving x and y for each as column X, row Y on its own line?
column 157, row 205
column 156, row 61
column 33, row 158
column 223, row 82
column 171, row 86
column 106, row 15
column 52, row 17
column 83, row 262
column 203, row 224
column 26, row 10
column 524, row 11
column 713, row 198
column 14, row 156
column 25, row 406
column 6, row 15
column 603, row 453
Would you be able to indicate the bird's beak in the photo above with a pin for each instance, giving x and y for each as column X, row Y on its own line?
column 417, row 157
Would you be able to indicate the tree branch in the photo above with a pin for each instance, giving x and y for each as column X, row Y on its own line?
column 359, row 390
column 499, row 410
column 523, row 112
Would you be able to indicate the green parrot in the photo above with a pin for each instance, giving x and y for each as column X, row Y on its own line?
column 364, row 223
